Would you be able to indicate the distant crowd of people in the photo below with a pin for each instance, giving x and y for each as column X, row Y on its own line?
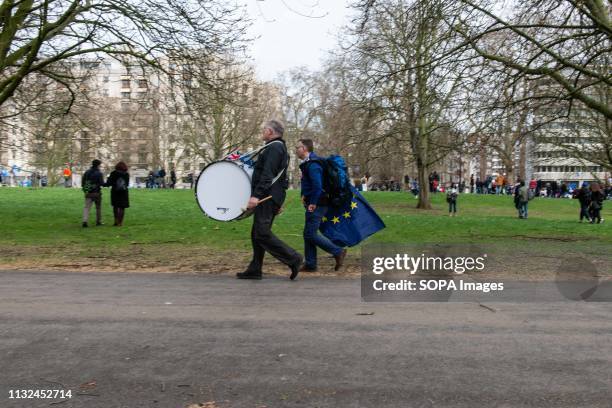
column 157, row 179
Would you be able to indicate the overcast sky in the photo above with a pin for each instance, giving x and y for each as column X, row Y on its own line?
column 288, row 39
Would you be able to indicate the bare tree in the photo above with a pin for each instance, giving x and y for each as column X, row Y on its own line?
column 37, row 34
column 567, row 41
column 397, row 50
column 221, row 108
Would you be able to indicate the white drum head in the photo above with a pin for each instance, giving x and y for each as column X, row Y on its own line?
column 223, row 190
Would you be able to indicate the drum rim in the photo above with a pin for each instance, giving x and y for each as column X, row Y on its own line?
column 195, row 190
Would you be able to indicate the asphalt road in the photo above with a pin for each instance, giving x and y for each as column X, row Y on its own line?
column 169, row 340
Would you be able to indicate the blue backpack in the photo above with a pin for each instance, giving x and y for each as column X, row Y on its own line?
column 336, row 182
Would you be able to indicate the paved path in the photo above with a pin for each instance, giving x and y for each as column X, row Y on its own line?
column 169, row 340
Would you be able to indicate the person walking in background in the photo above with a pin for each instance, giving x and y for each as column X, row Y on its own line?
column 190, row 180
column 91, row 184
column 118, row 181
column 597, row 198
column 499, row 184
column 150, row 179
column 533, row 185
column 451, row 199
column 521, row 199
column 172, row 178
column 67, row 177
column 584, row 198
column 162, row 178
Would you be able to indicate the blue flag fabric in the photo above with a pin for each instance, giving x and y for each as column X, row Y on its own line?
column 352, row 224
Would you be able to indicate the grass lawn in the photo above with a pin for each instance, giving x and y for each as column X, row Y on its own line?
column 164, row 230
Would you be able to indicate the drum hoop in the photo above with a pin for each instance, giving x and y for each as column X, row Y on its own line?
column 195, row 190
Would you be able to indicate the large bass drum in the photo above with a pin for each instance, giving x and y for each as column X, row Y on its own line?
column 223, row 190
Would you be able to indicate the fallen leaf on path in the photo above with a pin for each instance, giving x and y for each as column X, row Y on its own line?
column 88, row 385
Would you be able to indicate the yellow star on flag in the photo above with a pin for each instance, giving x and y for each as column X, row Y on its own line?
column 347, row 215
column 324, row 219
column 335, row 220
column 353, row 205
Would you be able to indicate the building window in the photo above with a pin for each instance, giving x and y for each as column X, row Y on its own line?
column 105, row 92
column 125, row 95
column 125, row 106
column 141, row 95
column 142, row 83
column 125, row 83
column 105, row 79
column 142, row 157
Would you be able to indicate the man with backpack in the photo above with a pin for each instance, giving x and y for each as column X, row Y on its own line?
column 91, row 184
column 521, row 198
column 316, row 201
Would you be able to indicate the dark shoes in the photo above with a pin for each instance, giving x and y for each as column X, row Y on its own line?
column 305, row 268
column 249, row 275
column 339, row 259
column 295, row 268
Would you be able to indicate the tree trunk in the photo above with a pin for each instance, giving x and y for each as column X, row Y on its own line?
column 423, row 177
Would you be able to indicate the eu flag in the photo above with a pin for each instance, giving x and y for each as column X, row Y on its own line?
column 352, row 224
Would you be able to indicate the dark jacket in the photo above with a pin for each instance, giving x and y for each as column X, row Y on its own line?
column 584, row 196
column 118, row 181
column 312, row 180
column 597, row 199
column 270, row 162
column 94, row 177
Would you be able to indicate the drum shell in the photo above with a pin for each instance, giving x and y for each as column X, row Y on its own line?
column 226, row 189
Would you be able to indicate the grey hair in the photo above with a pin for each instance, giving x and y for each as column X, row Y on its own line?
column 276, row 126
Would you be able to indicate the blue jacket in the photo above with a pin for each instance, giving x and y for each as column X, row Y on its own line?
column 312, row 180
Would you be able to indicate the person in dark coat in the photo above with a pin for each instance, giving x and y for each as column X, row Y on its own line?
column 269, row 180
column 597, row 199
column 90, row 183
column 584, row 197
column 316, row 204
column 118, row 181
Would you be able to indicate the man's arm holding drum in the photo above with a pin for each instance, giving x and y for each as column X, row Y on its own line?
column 272, row 161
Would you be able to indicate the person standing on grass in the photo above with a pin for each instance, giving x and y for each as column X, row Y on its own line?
column 584, row 198
column 91, row 184
column 521, row 199
column 316, row 203
column 173, row 178
column 451, row 199
column 597, row 198
column 118, row 181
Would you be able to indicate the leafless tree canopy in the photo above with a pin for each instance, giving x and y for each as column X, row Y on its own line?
column 36, row 35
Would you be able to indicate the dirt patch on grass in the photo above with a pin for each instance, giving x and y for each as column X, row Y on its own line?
column 173, row 258
column 153, row 258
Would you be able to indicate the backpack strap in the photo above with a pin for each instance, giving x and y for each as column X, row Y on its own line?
column 254, row 153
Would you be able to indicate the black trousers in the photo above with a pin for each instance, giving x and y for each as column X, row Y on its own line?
column 584, row 212
column 263, row 240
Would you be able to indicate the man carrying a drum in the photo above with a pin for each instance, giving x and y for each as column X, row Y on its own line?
column 269, row 180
